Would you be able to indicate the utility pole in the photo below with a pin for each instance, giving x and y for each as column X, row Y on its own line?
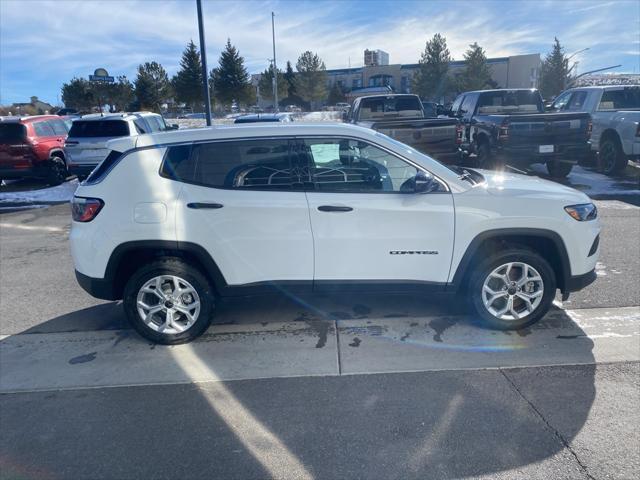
column 205, row 73
column 275, row 67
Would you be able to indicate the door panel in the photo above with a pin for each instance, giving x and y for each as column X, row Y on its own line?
column 251, row 221
column 367, row 221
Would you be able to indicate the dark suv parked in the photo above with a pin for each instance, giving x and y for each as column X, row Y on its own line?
column 33, row 147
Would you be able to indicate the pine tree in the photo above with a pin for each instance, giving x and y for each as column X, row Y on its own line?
column 78, row 94
column 431, row 81
column 187, row 83
column 311, row 79
column 554, row 72
column 289, row 76
column 336, row 94
column 266, row 84
column 231, row 79
column 477, row 74
column 122, row 94
column 152, row 87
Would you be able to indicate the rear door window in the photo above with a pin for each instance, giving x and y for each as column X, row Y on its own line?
column 12, row 133
column 58, row 126
column 246, row 164
column 99, row 128
column 43, row 129
column 620, row 99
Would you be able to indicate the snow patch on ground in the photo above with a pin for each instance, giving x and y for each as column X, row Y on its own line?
column 58, row 194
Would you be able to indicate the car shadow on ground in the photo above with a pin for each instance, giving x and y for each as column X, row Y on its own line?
column 445, row 424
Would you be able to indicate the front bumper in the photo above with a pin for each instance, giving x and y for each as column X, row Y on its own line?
column 96, row 287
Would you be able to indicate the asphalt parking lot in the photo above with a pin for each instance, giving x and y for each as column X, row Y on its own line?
column 317, row 387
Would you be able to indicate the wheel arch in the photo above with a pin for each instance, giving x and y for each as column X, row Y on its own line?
column 547, row 243
column 609, row 134
column 129, row 256
column 57, row 152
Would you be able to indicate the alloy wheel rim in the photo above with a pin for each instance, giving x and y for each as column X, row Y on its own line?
column 512, row 291
column 168, row 304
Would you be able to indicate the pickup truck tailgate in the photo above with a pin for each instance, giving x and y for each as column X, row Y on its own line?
column 552, row 129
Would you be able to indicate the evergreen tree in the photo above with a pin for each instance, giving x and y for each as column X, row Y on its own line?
column 78, row 94
column 431, row 81
column 554, row 72
column 289, row 76
column 311, row 80
column 152, row 87
column 266, row 84
column 231, row 79
column 122, row 94
column 187, row 83
column 336, row 94
column 477, row 74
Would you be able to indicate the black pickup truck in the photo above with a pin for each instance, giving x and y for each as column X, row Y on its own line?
column 511, row 126
column 402, row 117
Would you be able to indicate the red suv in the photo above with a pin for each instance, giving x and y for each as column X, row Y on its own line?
column 33, row 147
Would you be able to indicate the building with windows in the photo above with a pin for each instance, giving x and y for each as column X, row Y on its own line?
column 374, row 58
column 516, row 71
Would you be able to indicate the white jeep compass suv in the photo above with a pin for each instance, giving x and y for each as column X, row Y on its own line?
column 172, row 221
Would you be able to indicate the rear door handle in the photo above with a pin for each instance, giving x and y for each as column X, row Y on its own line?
column 198, row 205
column 334, row 208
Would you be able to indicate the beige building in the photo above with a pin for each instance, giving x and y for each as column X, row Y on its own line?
column 517, row 71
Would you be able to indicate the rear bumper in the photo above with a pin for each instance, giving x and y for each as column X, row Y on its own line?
column 96, row 287
column 83, row 170
column 581, row 281
column 529, row 153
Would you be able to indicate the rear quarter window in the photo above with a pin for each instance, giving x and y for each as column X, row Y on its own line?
column 99, row 128
column 43, row 129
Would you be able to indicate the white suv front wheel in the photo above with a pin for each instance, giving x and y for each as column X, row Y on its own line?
column 512, row 289
column 168, row 301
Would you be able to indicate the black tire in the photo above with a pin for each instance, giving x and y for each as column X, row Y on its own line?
column 512, row 254
column 183, row 270
column 611, row 158
column 485, row 159
column 57, row 171
column 559, row 169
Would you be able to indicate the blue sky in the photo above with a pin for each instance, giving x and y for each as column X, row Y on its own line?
column 45, row 43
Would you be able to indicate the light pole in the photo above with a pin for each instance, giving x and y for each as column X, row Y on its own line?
column 205, row 73
column 576, row 53
column 275, row 67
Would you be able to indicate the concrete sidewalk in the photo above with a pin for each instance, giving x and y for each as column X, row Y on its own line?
column 50, row 361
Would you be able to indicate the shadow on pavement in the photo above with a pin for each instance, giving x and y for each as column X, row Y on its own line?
column 444, row 424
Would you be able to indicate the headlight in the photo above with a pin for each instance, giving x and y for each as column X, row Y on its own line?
column 582, row 212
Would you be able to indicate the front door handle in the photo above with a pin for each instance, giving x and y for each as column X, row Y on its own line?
column 334, row 208
column 198, row 205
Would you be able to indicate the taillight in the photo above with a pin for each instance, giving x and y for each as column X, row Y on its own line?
column 503, row 132
column 459, row 130
column 589, row 129
column 85, row 209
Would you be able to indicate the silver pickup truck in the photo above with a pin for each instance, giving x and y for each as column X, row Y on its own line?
column 615, row 113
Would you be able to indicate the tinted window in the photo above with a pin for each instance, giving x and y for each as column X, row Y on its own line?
column 43, row 129
column 620, row 99
column 354, row 166
column 99, row 128
column 509, row 101
column 467, row 105
column 141, row 126
column 12, row 132
column 561, row 101
column 576, row 103
column 389, row 107
column 58, row 126
column 249, row 164
column 103, row 167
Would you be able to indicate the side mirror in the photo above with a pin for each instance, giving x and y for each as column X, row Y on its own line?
column 174, row 126
column 424, row 183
